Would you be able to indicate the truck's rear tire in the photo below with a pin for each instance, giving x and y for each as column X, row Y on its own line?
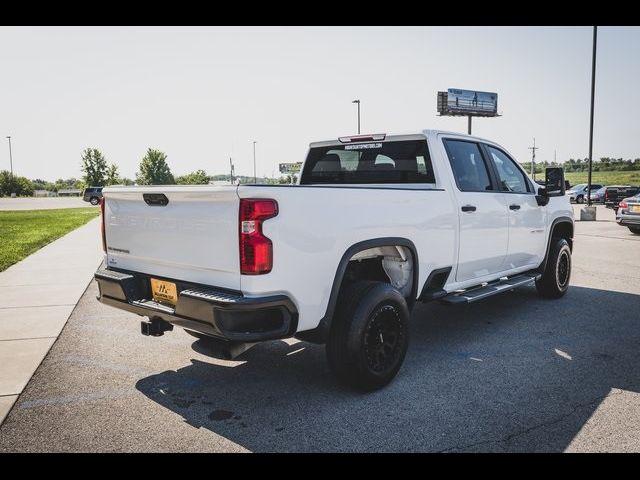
column 635, row 230
column 554, row 282
column 369, row 335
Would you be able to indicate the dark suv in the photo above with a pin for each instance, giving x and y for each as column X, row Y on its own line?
column 92, row 195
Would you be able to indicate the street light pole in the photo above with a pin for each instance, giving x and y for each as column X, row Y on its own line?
column 593, row 93
column 10, row 156
column 358, row 102
column 255, row 178
column 533, row 158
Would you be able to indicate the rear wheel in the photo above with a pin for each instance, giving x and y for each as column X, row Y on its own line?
column 554, row 282
column 635, row 230
column 369, row 335
column 94, row 201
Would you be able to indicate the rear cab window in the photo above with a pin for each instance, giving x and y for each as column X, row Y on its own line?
column 370, row 162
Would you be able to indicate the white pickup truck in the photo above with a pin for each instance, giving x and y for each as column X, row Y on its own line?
column 375, row 223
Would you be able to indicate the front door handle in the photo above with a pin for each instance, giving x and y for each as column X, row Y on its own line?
column 468, row 208
column 514, row 207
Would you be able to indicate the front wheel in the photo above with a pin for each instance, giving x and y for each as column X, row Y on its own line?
column 635, row 230
column 369, row 335
column 579, row 199
column 554, row 282
column 94, row 201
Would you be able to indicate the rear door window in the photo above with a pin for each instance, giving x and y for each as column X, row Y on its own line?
column 468, row 165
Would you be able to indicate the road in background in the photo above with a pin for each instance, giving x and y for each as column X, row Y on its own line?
column 514, row 372
column 45, row 203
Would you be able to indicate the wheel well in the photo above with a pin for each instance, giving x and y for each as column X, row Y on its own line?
column 393, row 260
column 391, row 264
column 564, row 230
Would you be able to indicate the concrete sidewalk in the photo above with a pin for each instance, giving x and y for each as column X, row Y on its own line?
column 38, row 294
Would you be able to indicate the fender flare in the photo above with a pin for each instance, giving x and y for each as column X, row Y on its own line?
column 321, row 332
column 554, row 224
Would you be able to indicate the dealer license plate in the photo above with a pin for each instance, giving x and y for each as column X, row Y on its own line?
column 164, row 291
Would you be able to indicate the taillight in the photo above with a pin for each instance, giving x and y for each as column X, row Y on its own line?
column 623, row 204
column 102, row 229
column 606, row 196
column 256, row 250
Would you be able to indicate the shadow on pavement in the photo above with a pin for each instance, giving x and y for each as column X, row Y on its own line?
column 512, row 373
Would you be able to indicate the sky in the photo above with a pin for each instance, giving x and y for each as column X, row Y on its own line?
column 204, row 94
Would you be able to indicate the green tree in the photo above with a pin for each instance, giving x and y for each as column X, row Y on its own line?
column 39, row 184
column 94, row 167
column 154, row 169
column 21, row 186
column 112, row 176
column 199, row 177
column 287, row 179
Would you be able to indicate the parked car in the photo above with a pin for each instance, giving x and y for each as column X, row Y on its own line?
column 578, row 193
column 375, row 223
column 597, row 196
column 628, row 214
column 616, row 193
column 92, row 195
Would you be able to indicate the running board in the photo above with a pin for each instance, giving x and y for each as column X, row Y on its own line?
column 478, row 293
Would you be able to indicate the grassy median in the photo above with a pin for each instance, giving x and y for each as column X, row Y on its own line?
column 603, row 178
column 24, row 232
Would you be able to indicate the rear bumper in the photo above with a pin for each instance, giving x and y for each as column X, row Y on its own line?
column 209, row 310
column 625, row 220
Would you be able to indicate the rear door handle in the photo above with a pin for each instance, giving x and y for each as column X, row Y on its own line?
column 468, row 208
column 514, row 207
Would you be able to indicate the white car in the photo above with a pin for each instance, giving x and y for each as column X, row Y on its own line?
column 376, row 223
column 578, row 193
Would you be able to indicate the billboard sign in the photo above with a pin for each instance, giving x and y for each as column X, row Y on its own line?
column 471, row 101
column 290, row 167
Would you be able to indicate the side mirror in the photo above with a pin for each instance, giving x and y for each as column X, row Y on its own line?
column 554, row 183
column 542, row 198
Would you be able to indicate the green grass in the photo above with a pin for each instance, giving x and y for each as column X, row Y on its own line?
column 604, row 178
column 24, row 232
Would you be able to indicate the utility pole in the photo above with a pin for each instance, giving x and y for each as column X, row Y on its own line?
column 231, row 165
column 10, row 157
column 593, row 93
column 533, row 158
column 469, row 125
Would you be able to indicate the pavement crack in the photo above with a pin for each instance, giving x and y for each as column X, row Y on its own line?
column 527, row 430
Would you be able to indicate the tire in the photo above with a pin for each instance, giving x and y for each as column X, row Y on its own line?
column 580, row 199
column 368, row 311
column 554, row 282
column 635, row 230
column 94, row 201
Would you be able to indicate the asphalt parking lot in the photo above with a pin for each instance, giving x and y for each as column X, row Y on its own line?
column 512, row 373
column 44, row 203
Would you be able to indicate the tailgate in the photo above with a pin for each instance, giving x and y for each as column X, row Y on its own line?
column 194, row 237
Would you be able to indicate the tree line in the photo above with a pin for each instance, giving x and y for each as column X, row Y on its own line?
column 98, row 172
column 154, row 170
column 604, row 164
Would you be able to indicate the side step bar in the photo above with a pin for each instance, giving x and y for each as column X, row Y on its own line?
column 494, row 288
